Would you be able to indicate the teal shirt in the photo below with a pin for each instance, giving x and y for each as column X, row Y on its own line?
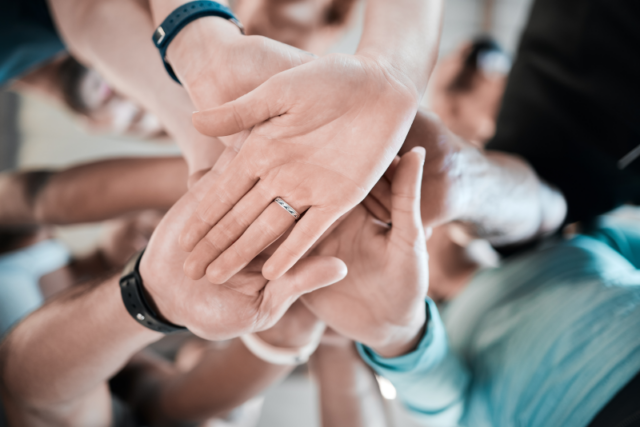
column 20, row 272
column 546, row 339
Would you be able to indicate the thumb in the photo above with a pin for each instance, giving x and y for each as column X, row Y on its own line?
column 405, row 200
column 257, row 106
column 307, row 275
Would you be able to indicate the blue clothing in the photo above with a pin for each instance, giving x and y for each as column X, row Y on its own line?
column 28, row 37
column 20, row 272
column 546, row 339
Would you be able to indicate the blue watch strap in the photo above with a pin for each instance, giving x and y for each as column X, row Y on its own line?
column 179, row 18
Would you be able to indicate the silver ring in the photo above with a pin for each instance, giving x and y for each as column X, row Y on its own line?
column 287, row 207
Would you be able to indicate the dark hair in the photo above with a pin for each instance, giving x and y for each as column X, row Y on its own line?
column 464, row 80
column 338, row 11
column 70, row 74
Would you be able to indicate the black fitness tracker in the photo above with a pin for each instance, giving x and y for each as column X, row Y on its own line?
column 135, row 302
column 183, row 15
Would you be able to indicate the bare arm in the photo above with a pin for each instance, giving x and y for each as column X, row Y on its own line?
column 91, row 192
column 77, row 365
column 349, row 394
column 403, row 35
column 115, row 38
column 498, row 195
column 191, row 396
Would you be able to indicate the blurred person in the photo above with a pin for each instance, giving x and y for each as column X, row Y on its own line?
column 467, row 87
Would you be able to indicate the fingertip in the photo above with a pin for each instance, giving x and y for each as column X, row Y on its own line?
column 199, row 121
column 326, row 270
column 420, row 150
column 271, row 271
column 215, row 276
column 192, row 269
column 341, row 269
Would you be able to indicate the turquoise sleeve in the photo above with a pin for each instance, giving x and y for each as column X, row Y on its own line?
column 430, row 381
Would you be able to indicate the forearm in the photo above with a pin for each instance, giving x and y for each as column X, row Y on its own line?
column 110, row 188
column 221, row 381
column 498, row 196
column 349, row 394
column 55, row 364
column 92, row 192
column 98, row 31
column 405, row 35
column 196, row 395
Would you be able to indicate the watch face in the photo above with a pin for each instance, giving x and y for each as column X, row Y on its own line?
column 158, row 36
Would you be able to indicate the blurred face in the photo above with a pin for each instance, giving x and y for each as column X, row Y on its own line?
column 89, row 96
column 107, row 111
column 470, row 113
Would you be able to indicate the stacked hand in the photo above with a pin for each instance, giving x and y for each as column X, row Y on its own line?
column 245, row 303
column 322, row 134
column 381, row 301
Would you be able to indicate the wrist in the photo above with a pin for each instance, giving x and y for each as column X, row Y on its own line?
column 124, row 320
column 141, row 299
column 197, row 47
column 402, row 79
column 404, row 341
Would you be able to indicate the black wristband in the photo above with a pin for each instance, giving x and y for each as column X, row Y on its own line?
column 183, row 15
column 132, row 291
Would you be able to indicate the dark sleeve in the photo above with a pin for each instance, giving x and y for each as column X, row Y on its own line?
column 572, row 102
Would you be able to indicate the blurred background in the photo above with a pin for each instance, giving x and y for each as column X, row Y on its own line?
column 37, row 134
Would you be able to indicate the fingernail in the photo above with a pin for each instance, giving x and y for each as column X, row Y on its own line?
column 420, row 150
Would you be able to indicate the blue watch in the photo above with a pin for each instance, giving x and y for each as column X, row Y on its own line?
column 183, row 15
